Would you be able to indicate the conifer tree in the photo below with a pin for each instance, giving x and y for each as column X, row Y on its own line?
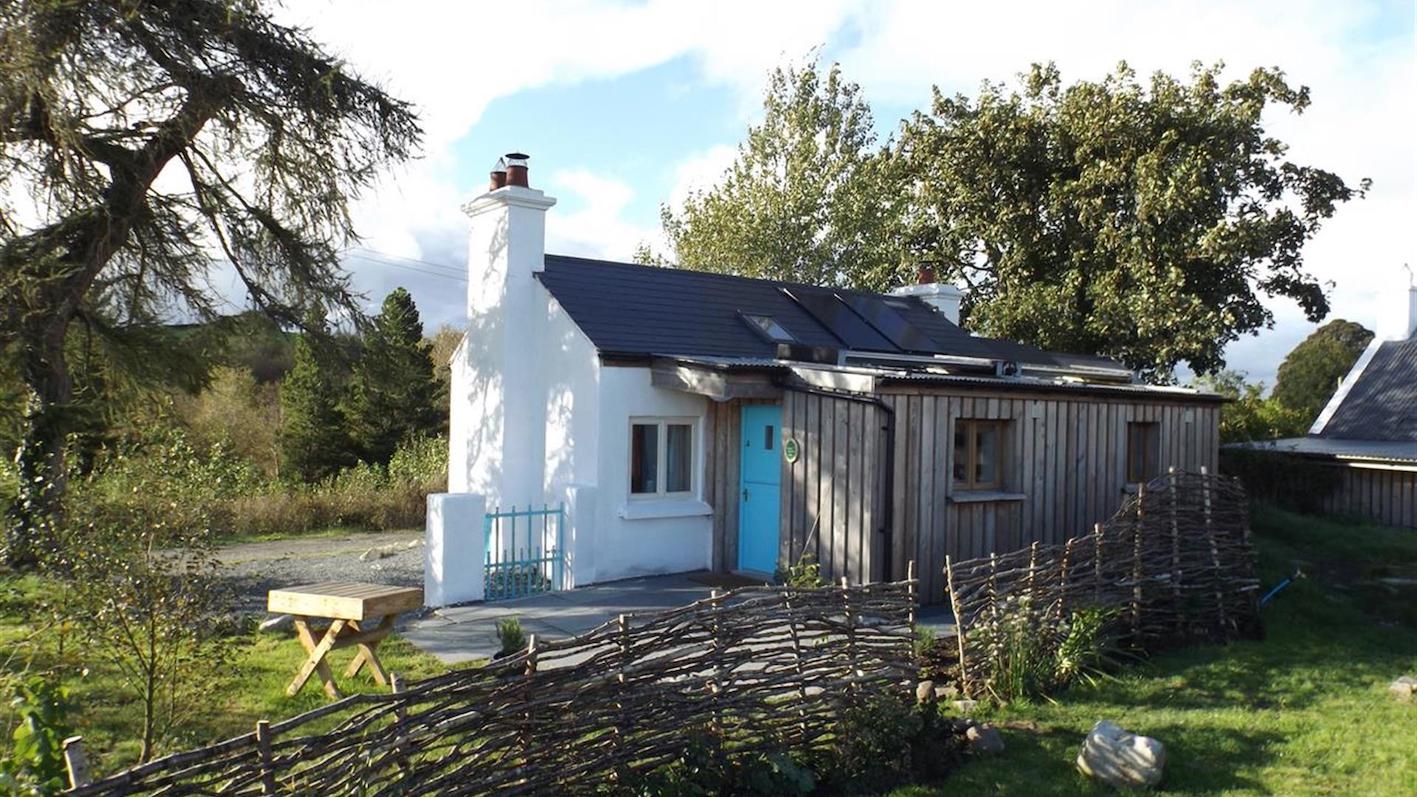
column 393, row 394
column 313, row 444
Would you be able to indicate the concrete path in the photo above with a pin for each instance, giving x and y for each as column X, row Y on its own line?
column 463, row 633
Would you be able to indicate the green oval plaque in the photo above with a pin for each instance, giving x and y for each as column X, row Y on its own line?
column 789, row 450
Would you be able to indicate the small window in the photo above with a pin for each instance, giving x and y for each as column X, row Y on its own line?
column 978, row 454
column 768, row 437
column 768, row 327
column 1143, row 451
column 661, row 457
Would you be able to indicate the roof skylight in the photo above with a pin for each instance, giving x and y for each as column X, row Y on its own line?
column 768, row 327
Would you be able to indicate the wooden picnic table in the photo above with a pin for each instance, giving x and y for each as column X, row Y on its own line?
column 350, row 608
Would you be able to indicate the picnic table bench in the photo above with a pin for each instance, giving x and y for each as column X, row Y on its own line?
column 350, row 608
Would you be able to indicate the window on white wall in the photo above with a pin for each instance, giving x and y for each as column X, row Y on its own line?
column 661, row 457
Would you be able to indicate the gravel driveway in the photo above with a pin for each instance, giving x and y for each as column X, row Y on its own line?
column 254, row 568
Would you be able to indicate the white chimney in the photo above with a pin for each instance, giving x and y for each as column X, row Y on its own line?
column 941, row 296
column 1411, row 326
column 497, row 425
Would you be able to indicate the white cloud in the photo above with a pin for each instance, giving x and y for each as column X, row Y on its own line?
column 1362, row 123
column 598, row 229
column 454, row 58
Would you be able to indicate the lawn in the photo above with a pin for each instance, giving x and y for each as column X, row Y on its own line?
column 250, row 687
column 1306, row 711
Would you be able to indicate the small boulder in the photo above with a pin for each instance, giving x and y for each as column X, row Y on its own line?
column 925, row 692
column 276, row 625
column 1404, row 688
column 413, row 543
column 966, row 706
column 1121, row 759
column 946, row 692
column 984, row 739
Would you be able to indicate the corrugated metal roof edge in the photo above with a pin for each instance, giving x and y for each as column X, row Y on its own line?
column 1334, row 449
column 1007, row 383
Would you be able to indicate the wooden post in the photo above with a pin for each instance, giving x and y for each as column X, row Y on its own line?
column 400, row 713
column 1136, row 564
column 263, row 744
column 1097, row 564
column 76, row 762
column 959, row 626
column 996, row 636
column 1175, row 553
column 850, row 628
column 715, row 684
column 622, row 723
column 1219, row 572
column 1029, row 592
column 1063, row 578
column 911, row 595
column 797, row 665
column 529, row 731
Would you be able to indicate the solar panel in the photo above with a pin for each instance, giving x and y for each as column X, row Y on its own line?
column 889, row 323
column 840, row 320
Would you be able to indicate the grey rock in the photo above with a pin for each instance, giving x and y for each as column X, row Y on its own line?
column 276, row 625
column 946, row 692
column 925, row 692
column 984, row 740
column 1121, row 759
column 1404, row 688
column 966, row 706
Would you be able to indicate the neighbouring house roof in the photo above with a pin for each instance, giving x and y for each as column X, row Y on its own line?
column 1380, row 400
column 635, row 310
column 1401, row 452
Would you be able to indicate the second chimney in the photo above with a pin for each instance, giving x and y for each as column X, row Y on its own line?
column 516, row 168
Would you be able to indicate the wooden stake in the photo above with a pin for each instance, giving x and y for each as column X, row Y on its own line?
column 1214, row 555
column 1175, row 553
column 263, row 743
column 1136, row 563
column 1097, row 564
column 959, row 626
column 76, row 762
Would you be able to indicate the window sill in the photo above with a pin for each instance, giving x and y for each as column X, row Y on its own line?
column 981, row 496
column 664, row 508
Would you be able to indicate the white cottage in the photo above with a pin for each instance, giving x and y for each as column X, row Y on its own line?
column 662, row 420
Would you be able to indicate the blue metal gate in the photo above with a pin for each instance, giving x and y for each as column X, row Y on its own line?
column 525, row 552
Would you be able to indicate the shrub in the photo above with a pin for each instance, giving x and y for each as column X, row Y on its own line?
column 35, row 765
column 1033, row 655
column 805, row 573
column 144, row 600
column 511, row 636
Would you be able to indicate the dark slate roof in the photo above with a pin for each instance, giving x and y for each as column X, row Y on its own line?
column 1382, row 403
column 628, row 309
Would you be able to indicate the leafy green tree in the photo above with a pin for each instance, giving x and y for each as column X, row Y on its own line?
column 1312, row 370
column 313, row 443
column 807, row 199
column 393, row 393
column 1142, row 222
column 1251, row 415
column 260, row 136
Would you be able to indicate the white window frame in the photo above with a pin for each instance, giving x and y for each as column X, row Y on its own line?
column 662, row 457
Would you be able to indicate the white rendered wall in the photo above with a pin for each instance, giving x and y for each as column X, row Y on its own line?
column 637, row 536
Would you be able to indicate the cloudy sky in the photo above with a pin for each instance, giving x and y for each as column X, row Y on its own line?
column 626, row 105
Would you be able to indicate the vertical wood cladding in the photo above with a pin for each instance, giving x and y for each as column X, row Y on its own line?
column 1063, row 461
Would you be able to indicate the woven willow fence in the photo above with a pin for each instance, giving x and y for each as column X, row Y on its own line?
column 761, row 668
column 1174, row 565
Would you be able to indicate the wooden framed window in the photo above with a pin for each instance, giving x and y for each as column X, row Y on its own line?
column 661, row 457
column 1143, row 451
column 978, row 454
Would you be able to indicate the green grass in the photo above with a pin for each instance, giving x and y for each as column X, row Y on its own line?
column 313, row 534
column 251, row 687
column 1306, row 711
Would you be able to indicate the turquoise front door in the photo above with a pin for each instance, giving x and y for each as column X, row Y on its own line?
column 760, row 481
